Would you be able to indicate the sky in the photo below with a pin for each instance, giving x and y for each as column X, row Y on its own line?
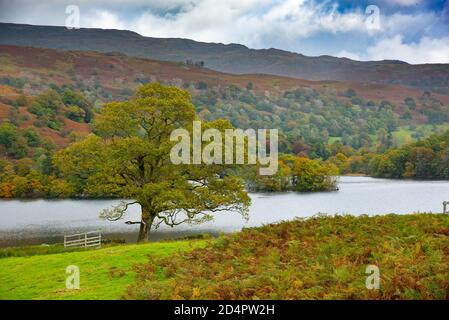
column 415, row 31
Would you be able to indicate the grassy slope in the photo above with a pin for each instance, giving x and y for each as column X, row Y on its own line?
column 104, row 273
column 404, row 134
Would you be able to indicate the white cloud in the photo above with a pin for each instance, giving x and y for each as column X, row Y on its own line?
column 427, row 50
column 308, row 26
column 411, row 24
column 257, row 23
column 107, row 20
column 349, row 55
column 242, row 21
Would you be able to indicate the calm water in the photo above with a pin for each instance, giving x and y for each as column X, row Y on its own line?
column 46, row 221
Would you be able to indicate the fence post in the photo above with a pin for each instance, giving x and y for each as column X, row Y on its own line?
column 445, row 203
column 85, row 240
column 65, row 240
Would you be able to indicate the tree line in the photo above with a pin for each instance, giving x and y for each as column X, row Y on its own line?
column 425, row 159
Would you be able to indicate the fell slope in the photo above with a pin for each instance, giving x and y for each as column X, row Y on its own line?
column 231, row 58
column 116, row 72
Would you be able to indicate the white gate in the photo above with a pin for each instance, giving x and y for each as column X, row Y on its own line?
column 83, row 240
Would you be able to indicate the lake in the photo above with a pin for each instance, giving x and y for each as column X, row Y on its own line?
column 46, row 221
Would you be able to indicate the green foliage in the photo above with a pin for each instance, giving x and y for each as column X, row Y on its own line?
column 75, row 113
column 27, row 170
column 29, row 178
column 79, row 108
column 201, row 85
column 80, row 162
column 302, row 115
column 52, row 106
column 46, row 107
column 410, row 102
column 130, row 158
column 59, row 188
column 426, row 159
column 12, row 141
column 46, row 103
column 32, row 137
column 311, row 175
column 14, row 82
column 295, row 174
column 315, row 258
column 8, row 135
column 324, row 126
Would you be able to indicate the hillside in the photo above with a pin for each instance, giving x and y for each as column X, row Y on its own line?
column 231, row 58
column 308, row 111
column 116, row 71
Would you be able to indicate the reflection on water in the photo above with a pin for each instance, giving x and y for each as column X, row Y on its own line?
column 46, row 221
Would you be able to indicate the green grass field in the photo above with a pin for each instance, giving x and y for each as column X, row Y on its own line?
column 104, row 273
column 404, row 134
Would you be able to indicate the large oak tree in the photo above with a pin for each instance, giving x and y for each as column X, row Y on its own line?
column 129, row 157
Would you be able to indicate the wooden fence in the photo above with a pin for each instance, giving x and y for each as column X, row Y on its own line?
column 83, row 240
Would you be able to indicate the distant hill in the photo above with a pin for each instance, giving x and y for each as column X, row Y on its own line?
column 232, row 58
column 313, row 112
column 119, row 74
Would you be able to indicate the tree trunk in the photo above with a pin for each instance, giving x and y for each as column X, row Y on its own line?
column 145, row 224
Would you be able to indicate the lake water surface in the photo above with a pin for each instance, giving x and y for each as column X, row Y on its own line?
column 46, row 221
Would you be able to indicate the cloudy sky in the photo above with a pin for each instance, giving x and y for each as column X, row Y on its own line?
column 416, row 31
